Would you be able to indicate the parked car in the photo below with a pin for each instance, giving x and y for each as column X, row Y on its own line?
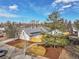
column 3, row 53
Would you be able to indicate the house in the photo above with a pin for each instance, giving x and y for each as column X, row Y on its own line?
column 2, row 29
column 75, row 31
column 2, row 34
column 27, row 33
column 24, row 35
column 56, row 32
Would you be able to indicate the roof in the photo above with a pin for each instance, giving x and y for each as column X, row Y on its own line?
column 34, row 31
column 24, row 35
column 56, row 30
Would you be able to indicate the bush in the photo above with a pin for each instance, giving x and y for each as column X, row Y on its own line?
column 55, row 41
column 37, row 50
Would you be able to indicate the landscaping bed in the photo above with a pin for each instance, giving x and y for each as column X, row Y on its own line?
column 53, row 53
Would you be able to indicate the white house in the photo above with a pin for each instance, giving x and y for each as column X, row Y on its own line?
column 56, row 32
column 24, row 36
column 2, row 29
column 75, row 31
column 27, row 33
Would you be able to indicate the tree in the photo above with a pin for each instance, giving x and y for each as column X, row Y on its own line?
column 62, row 42
column 11, row 30
column 52, row 20
column 35, row 23
column 55, row 22
column 69, row 26
column 54, row 41
column 54, row 16
column 76, row 23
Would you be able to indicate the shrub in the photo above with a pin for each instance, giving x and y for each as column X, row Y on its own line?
column 55, row 41
column 37, row 50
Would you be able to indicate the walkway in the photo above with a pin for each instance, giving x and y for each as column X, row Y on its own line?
column 65, row 55
column 6, row 41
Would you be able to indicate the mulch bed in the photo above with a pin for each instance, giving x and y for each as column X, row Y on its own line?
column 15, row 42
column 53, row 53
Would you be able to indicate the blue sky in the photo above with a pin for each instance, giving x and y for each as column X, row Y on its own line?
column 27, row 10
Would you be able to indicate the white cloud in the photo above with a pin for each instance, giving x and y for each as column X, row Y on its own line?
column 13, row 7
column 65, row 1
column 7, row 15
column 64, row 7
column 53, row 4
column 67, row 6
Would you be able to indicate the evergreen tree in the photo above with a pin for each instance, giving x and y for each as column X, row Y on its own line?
column 76, row 23
column 11, row 30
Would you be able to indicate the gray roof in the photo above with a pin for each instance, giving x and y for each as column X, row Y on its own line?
column 37, row 30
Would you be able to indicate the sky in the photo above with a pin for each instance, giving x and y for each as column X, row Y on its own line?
column 28, row 10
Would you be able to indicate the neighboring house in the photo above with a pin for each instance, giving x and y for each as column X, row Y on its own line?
column 2, row 32
column 24, row 35
column 31, row 32
column 56, row 32
column 75, row 31
column 2, row 29
column 34, row 31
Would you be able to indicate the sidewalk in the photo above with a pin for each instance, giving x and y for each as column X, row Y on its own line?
column 22, row 56
column 6, row 41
